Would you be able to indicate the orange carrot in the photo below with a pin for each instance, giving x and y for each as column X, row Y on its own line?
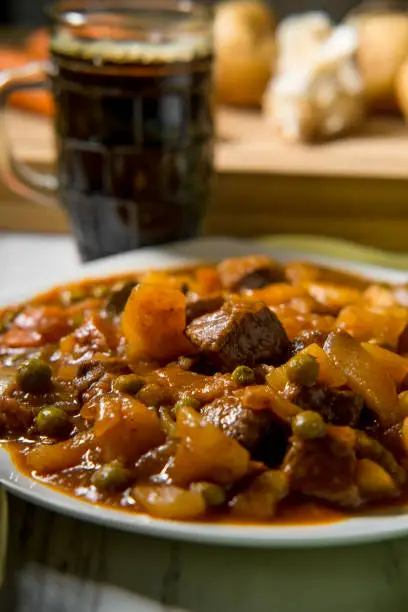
column 37, row 44
column 35, row 101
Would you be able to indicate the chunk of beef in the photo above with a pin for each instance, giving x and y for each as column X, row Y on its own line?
column 153, row 461
column 251, row 272
column 15, row 416
column 90, row 372
column 258, row 431
column 260, row 498
column 306, row 338
column 402, row 347
column 323, row 468
column 240, row 333
column 391, row 439
column 246, row 426
column 337, row 406
column 197, row 305
column 369, row 422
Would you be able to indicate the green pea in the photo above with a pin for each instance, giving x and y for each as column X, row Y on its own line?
column 213, row 494
column 308, row 425
column 128, row 383
column 111, row 477
column 303, row 370
column 243, row 375
column 34, row 376
column 187, row 402
column 53, row 422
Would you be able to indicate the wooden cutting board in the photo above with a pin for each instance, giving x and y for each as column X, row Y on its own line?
column 355, row 188
column 247, row 144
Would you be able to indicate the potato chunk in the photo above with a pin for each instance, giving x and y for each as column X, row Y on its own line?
column 260, row 499
column 49, row 458
column 329, row 374
column 365, row 376
column 395, row 365
column 125, row 428
column 383, row 325
column 332, row 296
column 205, row 452
column 170, row 502
column 153, row 323
column 373, row 481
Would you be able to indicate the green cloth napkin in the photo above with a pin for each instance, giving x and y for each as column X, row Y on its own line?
column 302, row 244
column 335, row 247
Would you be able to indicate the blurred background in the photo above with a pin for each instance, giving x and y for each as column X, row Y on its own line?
column 311, row 118
column 30, row 12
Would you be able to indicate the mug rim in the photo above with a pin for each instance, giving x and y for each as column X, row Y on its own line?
column 79, row 12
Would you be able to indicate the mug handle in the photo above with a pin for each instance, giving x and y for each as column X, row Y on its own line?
column 18, row 176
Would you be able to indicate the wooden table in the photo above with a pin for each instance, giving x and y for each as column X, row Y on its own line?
column 57, row 564
column 355, row 188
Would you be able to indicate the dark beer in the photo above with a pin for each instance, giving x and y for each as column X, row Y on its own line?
column 134, row 133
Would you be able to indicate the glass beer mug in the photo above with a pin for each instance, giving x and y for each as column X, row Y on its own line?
column 131, row 82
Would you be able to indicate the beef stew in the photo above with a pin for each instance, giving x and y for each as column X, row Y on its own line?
column 196, row 394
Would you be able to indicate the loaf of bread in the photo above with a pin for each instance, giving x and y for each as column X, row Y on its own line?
column 298, row 40
column 321, row 97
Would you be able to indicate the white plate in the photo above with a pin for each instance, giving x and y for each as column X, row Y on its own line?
column 353, row 530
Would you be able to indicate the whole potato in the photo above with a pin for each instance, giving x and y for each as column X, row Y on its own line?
column 382, row 49
column 401, row 88
column 245, row 51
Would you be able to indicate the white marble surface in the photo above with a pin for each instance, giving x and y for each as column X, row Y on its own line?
column 57, row 564
column 28, row 259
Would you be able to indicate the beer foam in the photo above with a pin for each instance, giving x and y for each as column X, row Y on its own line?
column 185, row 48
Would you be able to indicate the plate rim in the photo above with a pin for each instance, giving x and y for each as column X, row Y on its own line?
column 349, row 531
column 355, row 530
